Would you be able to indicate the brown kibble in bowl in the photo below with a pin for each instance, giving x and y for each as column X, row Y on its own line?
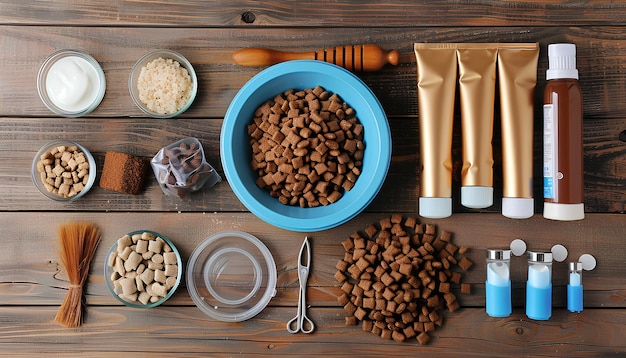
column 307, row 147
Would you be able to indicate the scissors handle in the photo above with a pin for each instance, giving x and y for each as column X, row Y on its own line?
column 301, row 322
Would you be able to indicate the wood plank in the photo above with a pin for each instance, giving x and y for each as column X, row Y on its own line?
column 20, row 138
column 30, row 273
column 599, row 53
column 197, row 13
column 172, row 330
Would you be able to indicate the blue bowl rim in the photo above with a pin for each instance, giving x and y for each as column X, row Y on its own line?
column 344, row 212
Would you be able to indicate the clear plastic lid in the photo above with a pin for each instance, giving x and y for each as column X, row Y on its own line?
column 231, row 276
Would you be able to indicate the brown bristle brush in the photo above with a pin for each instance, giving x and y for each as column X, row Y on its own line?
column 78, row 242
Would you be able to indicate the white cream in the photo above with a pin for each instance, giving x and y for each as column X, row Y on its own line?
column 72, row 84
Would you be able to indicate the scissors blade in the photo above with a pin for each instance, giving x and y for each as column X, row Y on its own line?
column 303, row 268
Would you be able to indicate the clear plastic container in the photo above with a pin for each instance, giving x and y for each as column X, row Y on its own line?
column 231, row 276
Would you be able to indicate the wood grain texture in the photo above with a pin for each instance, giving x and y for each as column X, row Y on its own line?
column 327, row 13
column 33, row 283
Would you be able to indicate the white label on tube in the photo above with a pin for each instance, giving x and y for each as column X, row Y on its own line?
column 549, row 150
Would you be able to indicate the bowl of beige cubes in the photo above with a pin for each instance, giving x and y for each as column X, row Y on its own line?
column 63, row 170
column 143, row 269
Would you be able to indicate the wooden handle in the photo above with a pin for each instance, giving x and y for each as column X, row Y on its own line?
column 353, row 58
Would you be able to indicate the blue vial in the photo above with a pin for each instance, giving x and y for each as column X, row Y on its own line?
column 575, row 287
column 498, row 284
column 539, row 286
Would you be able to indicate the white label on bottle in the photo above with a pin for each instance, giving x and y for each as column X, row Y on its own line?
column 550, row 139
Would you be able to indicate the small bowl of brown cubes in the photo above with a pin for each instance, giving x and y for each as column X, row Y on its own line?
column 63, row 170
column 143, row 269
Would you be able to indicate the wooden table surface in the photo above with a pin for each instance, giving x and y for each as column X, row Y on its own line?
column 33, row 282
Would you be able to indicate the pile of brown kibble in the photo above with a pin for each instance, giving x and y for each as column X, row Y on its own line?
column 397, row 277
column 307, row 147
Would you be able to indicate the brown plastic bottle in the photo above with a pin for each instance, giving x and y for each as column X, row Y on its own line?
column 563, row 173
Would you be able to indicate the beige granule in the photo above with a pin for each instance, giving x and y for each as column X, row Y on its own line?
column 164, row 85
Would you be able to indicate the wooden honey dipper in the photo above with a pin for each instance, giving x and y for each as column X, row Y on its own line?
column 352, row 58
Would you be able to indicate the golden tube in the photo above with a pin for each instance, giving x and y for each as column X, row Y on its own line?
column 477, row 87
column 436, row 86
column 517, row 78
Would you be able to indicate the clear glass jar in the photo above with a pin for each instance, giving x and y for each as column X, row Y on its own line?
column 539, row 285
column 498, row 284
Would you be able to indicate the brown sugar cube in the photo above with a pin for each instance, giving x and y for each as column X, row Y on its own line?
column 423, row 338
column 449, row 298
column 371, row 230
column 465, row 263
column 354, row 271
column 343, row 299
column 410, row 222
column 409, row 332
column 453, row 306
column 386, row 334
column 452, row 248
column 455, row 277
column 340, row 277
column 350, row 308
column 446, row 236
column 341, row 265
column 123, row 173
column 444, row 287
column 466, row 288
column 398, row 336
column 347, row 287
column 385, row 223
column 362, row 264
column 367, row 325
column 360, row 313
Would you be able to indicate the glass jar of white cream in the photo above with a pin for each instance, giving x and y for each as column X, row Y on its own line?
column 71, row 83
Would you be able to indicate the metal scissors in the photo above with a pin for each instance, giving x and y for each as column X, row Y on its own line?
column 301, row 322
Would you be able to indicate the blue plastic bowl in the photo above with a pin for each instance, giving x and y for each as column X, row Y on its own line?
column 236, row 151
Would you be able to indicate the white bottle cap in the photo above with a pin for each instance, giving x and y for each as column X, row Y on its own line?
column 559, row 252
column 518, row 247
column 435, row 208
column 561, row 61
column 563, row 212
column 477, row 197
column 518, row 208
column 588, row 261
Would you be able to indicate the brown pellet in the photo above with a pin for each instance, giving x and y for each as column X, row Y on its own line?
column 401, row 276
column 307, row 148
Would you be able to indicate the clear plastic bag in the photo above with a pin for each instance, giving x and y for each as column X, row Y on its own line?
column 181, row 168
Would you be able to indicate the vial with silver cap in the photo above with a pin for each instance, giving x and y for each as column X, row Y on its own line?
column 539, row 286
column 498, row 284
column 575, row 287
